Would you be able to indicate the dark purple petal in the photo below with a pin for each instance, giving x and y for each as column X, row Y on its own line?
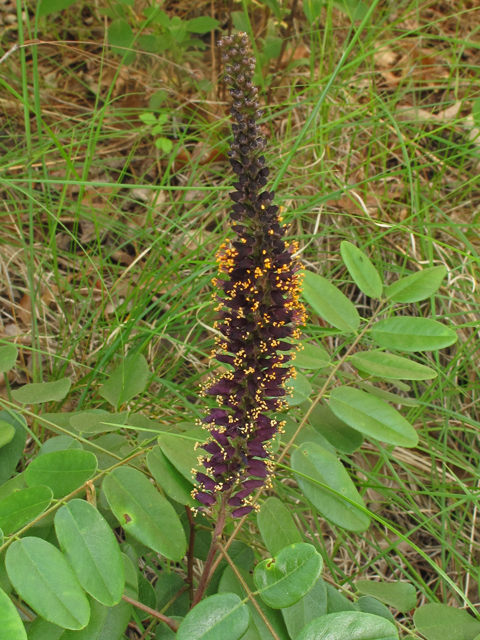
column 221, row 388
column 205, row 498
column 243, row 511
column 207, row 482
column 220, row 437
column 211, row 447
column 258, row 468
column 256, row 449
column 251, row 485
column 216, row 414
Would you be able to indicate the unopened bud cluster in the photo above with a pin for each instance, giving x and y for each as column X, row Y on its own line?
column 259, row 308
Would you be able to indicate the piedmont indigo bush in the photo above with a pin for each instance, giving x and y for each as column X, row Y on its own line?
column 259, row 308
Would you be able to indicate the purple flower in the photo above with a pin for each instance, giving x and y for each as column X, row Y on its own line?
column 258, row 304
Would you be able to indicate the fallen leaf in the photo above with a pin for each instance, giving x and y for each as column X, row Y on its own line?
column 24, row 309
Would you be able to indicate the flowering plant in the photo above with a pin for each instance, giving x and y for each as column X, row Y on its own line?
column 259, row 309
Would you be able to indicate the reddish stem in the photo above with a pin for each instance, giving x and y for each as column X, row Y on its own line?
column 217, row 534
column 156, row 614
column 191, row 545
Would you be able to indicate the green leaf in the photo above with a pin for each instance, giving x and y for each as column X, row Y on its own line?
column 98, row 617
column 349, row 624
column 385, row 365
column 11, row 452
column 441, row 622
column 284, row 580
column 203, row 24
column 98, row 566
column 240, row 21
column 59, row 443
column 12, row 625
column 257, row 629
column 272, row 47
column 93, row 423
column 405, row 333
column 388, row 395
column 21, row 507
column 166, row 476
column 166, row 589
column 164, row 144
column 5, row 583
column 42, row 391
column 44, row 579
column 277, row 526
column 301, row 389
column 311, row 357
column 62, row 471
column 330, row 303
column 131, row 573
column 113, row 627
column 144, row 513
column 321, row 466
column 274, row 8
column 7, row 433
column 364, row 274
column 42, row 629
column 367, row 604
column 306, row 434
column 14, row 484
column 400, row 595
column 8, row 357
column 220, row 617
column 146, row 593
column 372, row 416
column 418, row 286
column 313, row 605
column 127, row 380
column 181, row 452
column 355, row 9
column 337, row 433
column 46, row 7
column 337, row 602
column 157, row 99
column 120, row 36
column 312, row 9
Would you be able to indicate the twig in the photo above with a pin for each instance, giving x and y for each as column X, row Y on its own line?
column 248, row 592
column 15, row 47
column 156, row 614
column 190, row 557
column 205, row 577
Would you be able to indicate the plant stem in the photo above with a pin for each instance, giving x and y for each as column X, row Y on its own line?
column 156, row 614
column 248, row 592
column 191, row 545
column 217, row 534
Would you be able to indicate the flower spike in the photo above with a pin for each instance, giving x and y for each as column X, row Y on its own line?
column 259, row 308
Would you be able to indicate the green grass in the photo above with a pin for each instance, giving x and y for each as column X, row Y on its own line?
column 114, row 244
